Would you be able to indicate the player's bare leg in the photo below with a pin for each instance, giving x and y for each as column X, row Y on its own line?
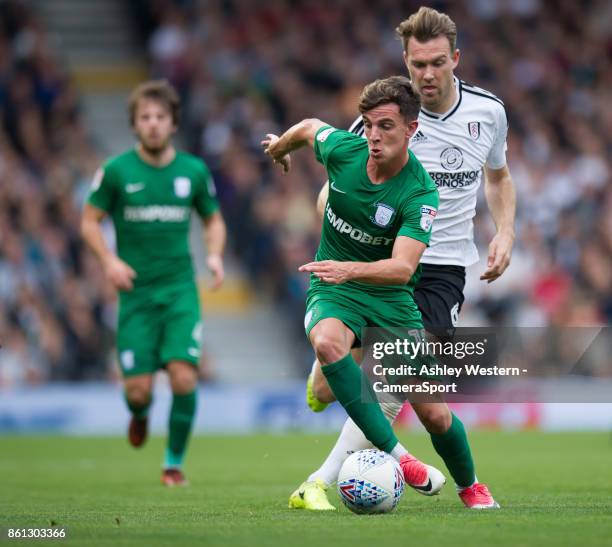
column 183, row 380
column 138, row 397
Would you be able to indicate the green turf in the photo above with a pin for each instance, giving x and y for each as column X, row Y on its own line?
column 555, row 489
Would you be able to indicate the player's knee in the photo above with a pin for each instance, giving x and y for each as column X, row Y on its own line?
column 436, row 419
column 183, row 379
column 184, row 385
column 329, row 349
column 138, row 395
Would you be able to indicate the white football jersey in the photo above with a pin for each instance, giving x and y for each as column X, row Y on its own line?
column 454, row 147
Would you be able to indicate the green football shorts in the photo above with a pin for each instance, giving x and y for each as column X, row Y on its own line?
column 397, row 318
column 158, row 325
column 358, row 309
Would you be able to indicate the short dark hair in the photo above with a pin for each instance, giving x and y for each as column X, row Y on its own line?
column 395, row 89
column 156, row 90
column 426, row 24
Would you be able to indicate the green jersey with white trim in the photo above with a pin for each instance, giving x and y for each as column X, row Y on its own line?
column 151, row 211
column 363, row 219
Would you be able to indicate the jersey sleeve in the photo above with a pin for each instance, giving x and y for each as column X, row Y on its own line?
column 497, row 155
column 103, row 190
column 328, row 141
column 418, row 216
column 205, row 198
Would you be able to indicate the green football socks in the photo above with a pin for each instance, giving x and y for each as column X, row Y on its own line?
column 138, row 411
column 182, row 414
column 354, row 392
column 454, row 449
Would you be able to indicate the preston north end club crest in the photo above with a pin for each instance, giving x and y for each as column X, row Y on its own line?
column 182, row 187
column 383, row 215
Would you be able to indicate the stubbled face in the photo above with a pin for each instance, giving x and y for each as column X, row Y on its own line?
column 387, row 132
column 153, row 125
column 430, row 65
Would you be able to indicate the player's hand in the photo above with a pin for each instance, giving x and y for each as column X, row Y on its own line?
column 270, row 147
column 119, row 273
column 500, row 251
column 330, row 271
column 215, row 265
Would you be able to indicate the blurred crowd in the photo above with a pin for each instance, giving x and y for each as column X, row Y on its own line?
column 248, row 68
column 55, row 309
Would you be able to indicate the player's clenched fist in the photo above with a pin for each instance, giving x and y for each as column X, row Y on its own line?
column 119, row 273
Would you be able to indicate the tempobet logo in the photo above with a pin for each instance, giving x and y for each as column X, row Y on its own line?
column 342, row 226
column 152, row 213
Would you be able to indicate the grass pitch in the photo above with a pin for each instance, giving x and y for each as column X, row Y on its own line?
column 555, row 489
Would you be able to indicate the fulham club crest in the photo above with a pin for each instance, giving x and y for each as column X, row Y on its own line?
column 474, row 130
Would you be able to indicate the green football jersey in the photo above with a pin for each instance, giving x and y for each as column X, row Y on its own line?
column 363, row 219
column 151, row 210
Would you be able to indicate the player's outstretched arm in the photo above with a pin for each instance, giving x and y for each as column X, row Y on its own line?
column 215, row 235
column 301, row 134
column 396, row 270
column 118, row 272
column 501, row 199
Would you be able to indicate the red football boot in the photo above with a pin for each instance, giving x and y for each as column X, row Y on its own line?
column 478, row 496
column 173, row 477
column 425, row 479
column 137, row 432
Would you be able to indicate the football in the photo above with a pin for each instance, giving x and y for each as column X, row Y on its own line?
column 370, row 481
